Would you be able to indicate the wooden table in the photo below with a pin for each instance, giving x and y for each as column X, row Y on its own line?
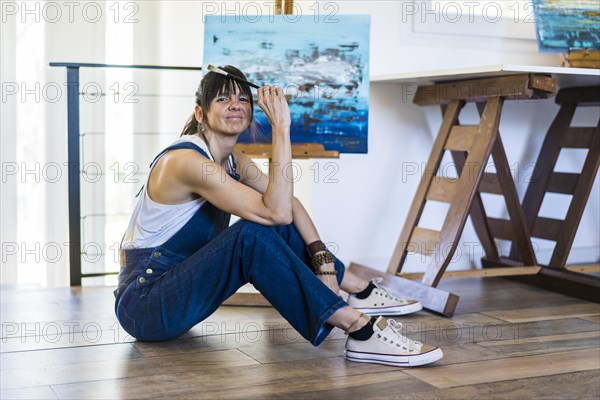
column 472, row 146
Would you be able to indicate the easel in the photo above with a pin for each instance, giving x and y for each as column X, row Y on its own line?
column 284, row 7
column 582, row 59
column 299, row 150
column 263, row 150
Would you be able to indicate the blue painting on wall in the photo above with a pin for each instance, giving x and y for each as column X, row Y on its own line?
column 564, row 25
column 323, row 64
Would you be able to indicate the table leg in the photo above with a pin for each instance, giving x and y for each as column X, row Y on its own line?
column 545, row 180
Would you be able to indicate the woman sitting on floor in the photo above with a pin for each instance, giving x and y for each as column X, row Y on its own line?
column 181, row 260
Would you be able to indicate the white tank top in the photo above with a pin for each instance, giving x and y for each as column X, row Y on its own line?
column 152, row 223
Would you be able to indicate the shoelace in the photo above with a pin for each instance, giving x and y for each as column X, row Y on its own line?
column 407, row 343
column 386, row 290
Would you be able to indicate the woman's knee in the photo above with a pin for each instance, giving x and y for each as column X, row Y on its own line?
column 255, row 234
column 246, row 227
column 287, row 232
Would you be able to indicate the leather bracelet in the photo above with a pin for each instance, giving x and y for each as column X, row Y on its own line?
column 315, row 247
column 321, row 258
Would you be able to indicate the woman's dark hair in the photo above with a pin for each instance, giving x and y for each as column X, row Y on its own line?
column 213, row 85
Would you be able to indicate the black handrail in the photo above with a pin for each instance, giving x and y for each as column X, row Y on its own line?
column 94, row 65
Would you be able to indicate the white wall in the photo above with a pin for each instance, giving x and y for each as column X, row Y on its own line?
column 8, row 144
column 375, row 194
column 361, row 214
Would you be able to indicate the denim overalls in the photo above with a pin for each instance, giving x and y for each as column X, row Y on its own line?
column 164, row 291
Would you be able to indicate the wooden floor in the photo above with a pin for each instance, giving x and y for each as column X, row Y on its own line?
column 506, row 341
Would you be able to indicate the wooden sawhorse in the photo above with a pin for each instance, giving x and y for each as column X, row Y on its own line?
column 544, row 180
column 471, row 147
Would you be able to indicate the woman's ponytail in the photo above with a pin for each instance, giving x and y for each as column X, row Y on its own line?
column 191, row 126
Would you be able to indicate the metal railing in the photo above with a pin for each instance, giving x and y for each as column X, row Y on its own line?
column 73, row 155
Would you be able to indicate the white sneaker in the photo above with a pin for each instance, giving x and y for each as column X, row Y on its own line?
column 388, row 346
column 381, row 301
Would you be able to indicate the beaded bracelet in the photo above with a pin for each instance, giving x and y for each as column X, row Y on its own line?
column 323, row 257
column 326, row 273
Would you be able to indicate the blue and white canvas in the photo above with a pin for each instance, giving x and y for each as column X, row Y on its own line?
column 564, row 25
column 323, row 64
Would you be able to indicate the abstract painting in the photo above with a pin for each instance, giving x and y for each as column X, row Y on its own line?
column 323, row 65
column 564, row 25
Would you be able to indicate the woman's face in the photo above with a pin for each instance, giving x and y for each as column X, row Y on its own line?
column 229, row 113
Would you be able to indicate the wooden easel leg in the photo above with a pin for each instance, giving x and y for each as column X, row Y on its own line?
column 466, row 191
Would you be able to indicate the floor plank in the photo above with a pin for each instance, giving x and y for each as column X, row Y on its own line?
column 544, row 339
column 231, row 340
column 426, row 320
column 71, row 355
column 466, row 353
column 523, row 349
column 509, row 368
column 94, row 335
column 31, row 393
column 546, row 313
column 293, row 351
column 573, row 386
column 593, row 318
column 447, row 334
column 489, row 294
column 385, row 384
column 54, row 334
column 122, row 368
column 237, row 381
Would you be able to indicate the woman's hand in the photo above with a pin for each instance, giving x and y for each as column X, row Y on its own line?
column 329, row 280
column 272, row 101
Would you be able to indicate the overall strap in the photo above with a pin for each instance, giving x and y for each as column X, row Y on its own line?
column 181, row 145
column 189, row 145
